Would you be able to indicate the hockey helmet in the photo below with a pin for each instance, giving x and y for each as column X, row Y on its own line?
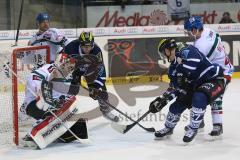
column 166, row 43
column 86, row 39
column 193, row 22
column 42, row 17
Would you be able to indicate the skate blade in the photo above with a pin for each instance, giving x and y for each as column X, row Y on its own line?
column 188, row 143
column 200, row 130
column 28, row 145
column 213, row 138
column 163, row 138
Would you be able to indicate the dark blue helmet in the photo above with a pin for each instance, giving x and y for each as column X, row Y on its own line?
column 42, row 17
column 193, row 22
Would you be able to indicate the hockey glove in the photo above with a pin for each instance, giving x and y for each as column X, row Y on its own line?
column 97, row 94
column 157, row 104
column 59, row 101
column 182, row 81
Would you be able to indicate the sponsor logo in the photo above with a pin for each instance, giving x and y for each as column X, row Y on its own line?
column 69, row 33
column 119, row 30
column 24, row 34
column 58, row 124
column 133, row 20
column 99, row 31
column 154, row 18
column 208, row 18
column 236, row 27
column 132, row 30
column 224, row 28
column 163, row 29
column 158, row 17
column 149, row 30
column 4, row 34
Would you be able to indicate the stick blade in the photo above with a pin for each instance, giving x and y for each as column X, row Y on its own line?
column 150, row 129
column 85, row 141
column 118, row 127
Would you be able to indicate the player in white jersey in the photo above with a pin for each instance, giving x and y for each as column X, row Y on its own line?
column 209, row 43
column 48, row 36
column 36, row 106
column 33, row 90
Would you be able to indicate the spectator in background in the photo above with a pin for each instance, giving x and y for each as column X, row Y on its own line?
column 226, row 18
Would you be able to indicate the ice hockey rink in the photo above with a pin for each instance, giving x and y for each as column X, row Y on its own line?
column 139, row 144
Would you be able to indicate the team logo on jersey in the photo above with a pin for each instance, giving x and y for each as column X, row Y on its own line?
column 185, row 53
column 35, row 77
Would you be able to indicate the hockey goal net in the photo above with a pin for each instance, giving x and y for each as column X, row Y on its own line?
column 14, row 67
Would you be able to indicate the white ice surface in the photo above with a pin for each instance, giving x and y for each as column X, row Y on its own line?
column 137, row 144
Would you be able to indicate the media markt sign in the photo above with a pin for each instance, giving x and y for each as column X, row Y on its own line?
column 154, row 15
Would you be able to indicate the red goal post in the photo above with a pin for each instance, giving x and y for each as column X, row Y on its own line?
column 19, row 65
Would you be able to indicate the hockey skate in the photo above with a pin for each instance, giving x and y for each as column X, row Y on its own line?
column 217, row 130
column 165, row 132
column 200, row 129
column 216, row 133
column 189, row 135
column 108, row 115
column 28, row 142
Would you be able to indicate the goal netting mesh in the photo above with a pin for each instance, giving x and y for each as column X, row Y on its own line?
column 14, row 67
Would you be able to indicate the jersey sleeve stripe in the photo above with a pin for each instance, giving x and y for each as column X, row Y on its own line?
column 214, row 46
column 205, row 71
column 189, row 67
column 193, row 59
column 99, row 82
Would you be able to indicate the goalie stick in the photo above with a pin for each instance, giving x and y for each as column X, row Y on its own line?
column 47, row 96
column 83, row 141
column 135, row 122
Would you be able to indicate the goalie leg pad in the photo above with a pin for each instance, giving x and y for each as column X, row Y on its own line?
column 52, row 128
column 79, row 128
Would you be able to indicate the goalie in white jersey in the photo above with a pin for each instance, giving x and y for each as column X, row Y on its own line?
column 41, row 101
column 209, row 43
column 48, row 36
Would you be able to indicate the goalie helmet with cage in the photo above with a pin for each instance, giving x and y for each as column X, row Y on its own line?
column 66, row 63
column 166, row 43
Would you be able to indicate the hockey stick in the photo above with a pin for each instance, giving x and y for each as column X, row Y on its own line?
column 83, row 141
column 19, row 23
column 111, row 106
column 135, row 122
column 125, row 128
column 47, row 96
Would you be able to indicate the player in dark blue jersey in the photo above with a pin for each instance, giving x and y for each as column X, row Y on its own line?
column 194, row 80
column 85, row 49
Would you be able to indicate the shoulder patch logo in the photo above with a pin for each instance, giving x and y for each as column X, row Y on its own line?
column 185, row 53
